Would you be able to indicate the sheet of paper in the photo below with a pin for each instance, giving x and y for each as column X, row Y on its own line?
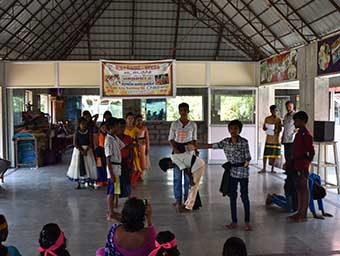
column 270, row 129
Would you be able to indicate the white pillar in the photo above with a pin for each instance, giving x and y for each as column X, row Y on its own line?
column 266, row 98
column 314, row 95
column 3, row 111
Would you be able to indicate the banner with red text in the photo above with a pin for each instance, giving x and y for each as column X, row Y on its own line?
column 135, row 79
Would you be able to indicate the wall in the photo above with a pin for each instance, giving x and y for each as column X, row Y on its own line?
column 82, row 74
column 85, row 76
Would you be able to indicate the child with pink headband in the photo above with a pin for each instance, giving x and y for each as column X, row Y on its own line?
column 165, row 245
column 52, row 241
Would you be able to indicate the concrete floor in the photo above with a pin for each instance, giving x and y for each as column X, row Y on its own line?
column 36, row 197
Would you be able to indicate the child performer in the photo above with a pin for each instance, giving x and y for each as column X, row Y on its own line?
column 186, row 161
column 143, row 143
column 236, row 150
column 303, row 154
column 127, row 154
column 100, row 157
column 113, row 146
column 316, row 192
column 83, row 165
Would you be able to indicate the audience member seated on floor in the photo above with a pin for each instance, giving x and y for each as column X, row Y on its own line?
column 131, row 237
column 316, row 192
column 165, row 245
column 234, row 246
column 6, row 250
column 52, row 241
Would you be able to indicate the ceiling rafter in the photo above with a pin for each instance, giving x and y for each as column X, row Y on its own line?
column 265, row 27
column 236, row 33
column 178, row 13
column 133, row 14
column 301, row 18
column 219, row 41
column 71, row 22
column 253, row 27
column 231, row 40
column 97, row 12
column 26, row 35
column 335, row 5
column 286, row 17
column 52, row 35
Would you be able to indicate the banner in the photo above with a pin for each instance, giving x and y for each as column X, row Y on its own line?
column 329, row 55
column 135, row 79
column 279, row 68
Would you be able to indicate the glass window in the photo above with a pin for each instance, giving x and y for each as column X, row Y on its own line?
column 18, row 106
column 167, row 109
column 233, row 104
column 337, row 108
column 195, row 103
column 154, row 109
column 95, row 105
column 44, row 103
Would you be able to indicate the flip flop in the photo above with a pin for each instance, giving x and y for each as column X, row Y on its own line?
column 262, row 171
column 248, row 227
column 231, row 226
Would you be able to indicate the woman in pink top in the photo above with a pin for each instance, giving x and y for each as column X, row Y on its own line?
column 131, row 237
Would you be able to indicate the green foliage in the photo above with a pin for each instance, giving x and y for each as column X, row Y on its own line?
column 237, row 107
column 195, row 103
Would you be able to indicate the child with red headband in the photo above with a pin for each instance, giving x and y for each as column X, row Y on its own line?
column 52, row 241
column 6, row 250
column 165, row 245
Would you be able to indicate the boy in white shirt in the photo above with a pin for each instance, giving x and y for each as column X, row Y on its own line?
column 186, row 162
column 113, row 146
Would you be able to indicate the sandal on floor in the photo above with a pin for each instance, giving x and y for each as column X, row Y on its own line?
column 231, row 226
column 262, row 171
column 248, row 227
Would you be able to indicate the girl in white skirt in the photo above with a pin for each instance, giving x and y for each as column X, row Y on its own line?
column 83, row 166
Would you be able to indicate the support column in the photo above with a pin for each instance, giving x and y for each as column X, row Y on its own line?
column 266, row 98
column 314, row 94
column 3, row 111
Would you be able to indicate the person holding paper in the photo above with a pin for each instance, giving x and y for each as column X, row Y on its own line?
column 272, row 126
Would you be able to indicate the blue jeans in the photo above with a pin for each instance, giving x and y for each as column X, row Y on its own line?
column 178, row 192
column 233, row 182
column 284, row 202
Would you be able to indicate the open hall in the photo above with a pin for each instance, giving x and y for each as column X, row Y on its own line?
column 169, row 127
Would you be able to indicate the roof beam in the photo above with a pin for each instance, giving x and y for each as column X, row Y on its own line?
column 53, row 35
column 237, row 45
column 33, row 15
column 285, row 18
column 133, row 29
column 253, row 27
column 89, row 43
column 219, row 41
column 97, row 12
column 178, row 12
column 236, row 34
column 302, row 19
column 335, row 5
column 71, row 22
column 263, row 24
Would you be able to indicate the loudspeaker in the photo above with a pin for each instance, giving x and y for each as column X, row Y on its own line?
column 323, row 131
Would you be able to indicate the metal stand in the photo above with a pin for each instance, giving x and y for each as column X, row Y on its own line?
column 325, row 164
